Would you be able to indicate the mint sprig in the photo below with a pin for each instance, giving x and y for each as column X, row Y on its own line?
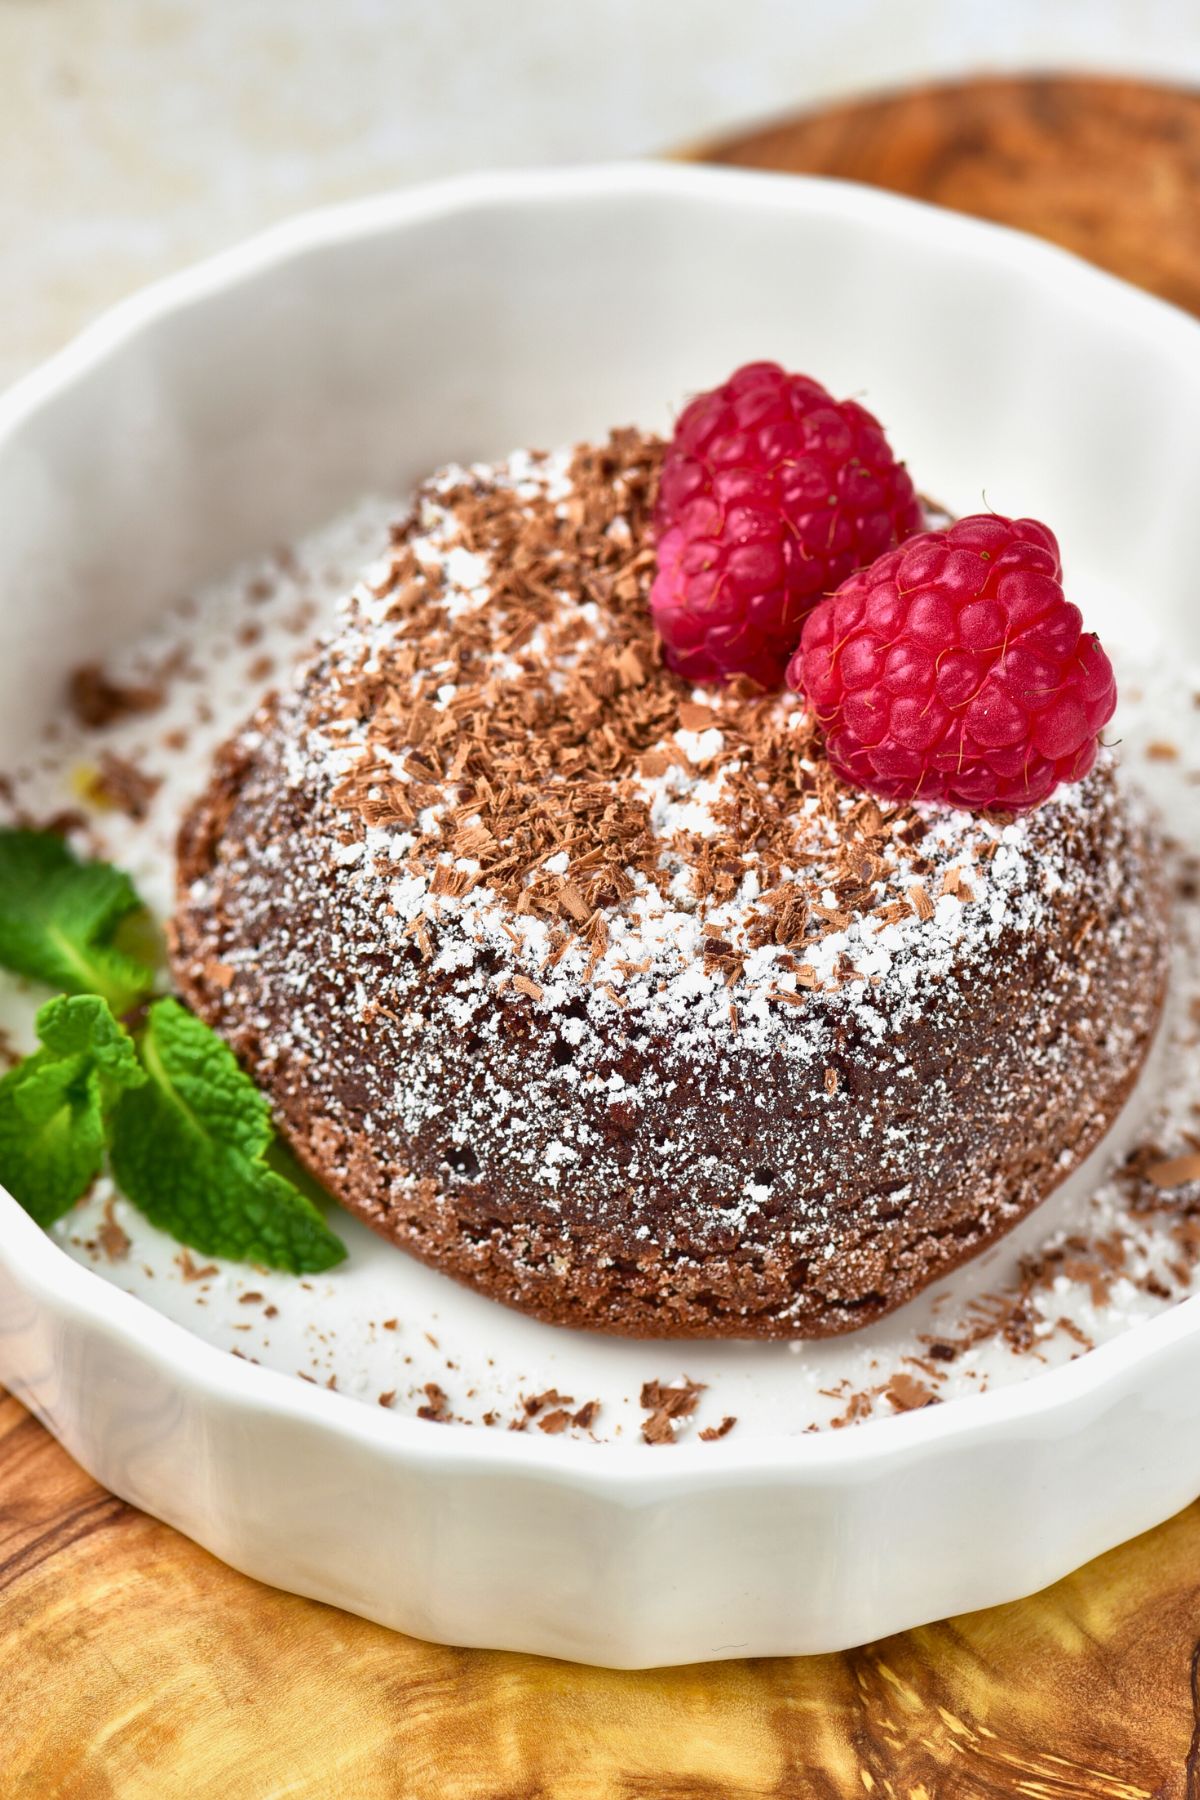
column 186, row 1133
column 58, row 917
column 55, row 1106
column 188, row 1147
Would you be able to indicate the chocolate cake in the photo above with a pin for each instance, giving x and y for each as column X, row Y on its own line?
column 603, row 994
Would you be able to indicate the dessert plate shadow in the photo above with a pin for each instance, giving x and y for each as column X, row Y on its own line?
column 237, row 406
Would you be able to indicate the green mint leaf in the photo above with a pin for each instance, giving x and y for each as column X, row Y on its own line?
column 51, row 1135
column 83, row 1025
column 188, row 1149
column 53, row 1105
column 58, row 917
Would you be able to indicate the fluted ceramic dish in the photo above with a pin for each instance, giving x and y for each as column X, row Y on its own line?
column 240, row 404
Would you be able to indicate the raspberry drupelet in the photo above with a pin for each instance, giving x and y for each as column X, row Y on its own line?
column 772, row 493
column 955, row 670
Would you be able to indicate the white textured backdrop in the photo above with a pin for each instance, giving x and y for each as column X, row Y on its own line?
column 137, row 134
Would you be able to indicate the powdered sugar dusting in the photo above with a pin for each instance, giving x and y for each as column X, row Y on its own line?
column 488, row 1359
column 654, row 957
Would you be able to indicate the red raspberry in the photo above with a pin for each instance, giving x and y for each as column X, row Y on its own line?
column 772, row 493
column 953, row 669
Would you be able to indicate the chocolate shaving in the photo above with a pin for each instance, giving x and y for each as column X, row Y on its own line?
column 549, row 761
column 436, row 1405
column 694, row 717
column 1176, row 1172
column 658, row 1429
column 711, row 1433
column 192, row 1271
column 667, row 1405
column 112, row 1237
column 906, row 1393
column 96, row 699
column 534, row 1403
column 120, row 784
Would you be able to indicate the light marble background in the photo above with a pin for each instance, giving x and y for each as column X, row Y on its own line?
column 136, row 135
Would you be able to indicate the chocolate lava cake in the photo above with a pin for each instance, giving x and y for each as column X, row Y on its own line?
column 602, row 993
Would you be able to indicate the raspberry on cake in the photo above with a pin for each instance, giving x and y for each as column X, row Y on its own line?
column 955, row 669
column 772, row 492
column 604, row 994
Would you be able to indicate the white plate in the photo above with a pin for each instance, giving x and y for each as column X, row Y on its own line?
column 238, row 405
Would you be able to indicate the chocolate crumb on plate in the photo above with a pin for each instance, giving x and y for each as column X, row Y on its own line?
column 666, row 1406
column 437, row 1403
column 711, row 1433
column 534, row 1403
column 121, row 784
column 905, row 1392
column 193, row 1271
column 112, row 1237
column 97, row 699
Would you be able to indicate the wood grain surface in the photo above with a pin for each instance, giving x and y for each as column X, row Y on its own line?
column 134, row 1666
column 1109, row 168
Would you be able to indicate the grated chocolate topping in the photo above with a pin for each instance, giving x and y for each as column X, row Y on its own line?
column 509, row 762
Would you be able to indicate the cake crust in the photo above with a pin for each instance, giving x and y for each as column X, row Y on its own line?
column 606, row 997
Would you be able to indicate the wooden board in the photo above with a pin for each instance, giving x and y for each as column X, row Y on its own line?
column 134, row 1665
column 1109, row 168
